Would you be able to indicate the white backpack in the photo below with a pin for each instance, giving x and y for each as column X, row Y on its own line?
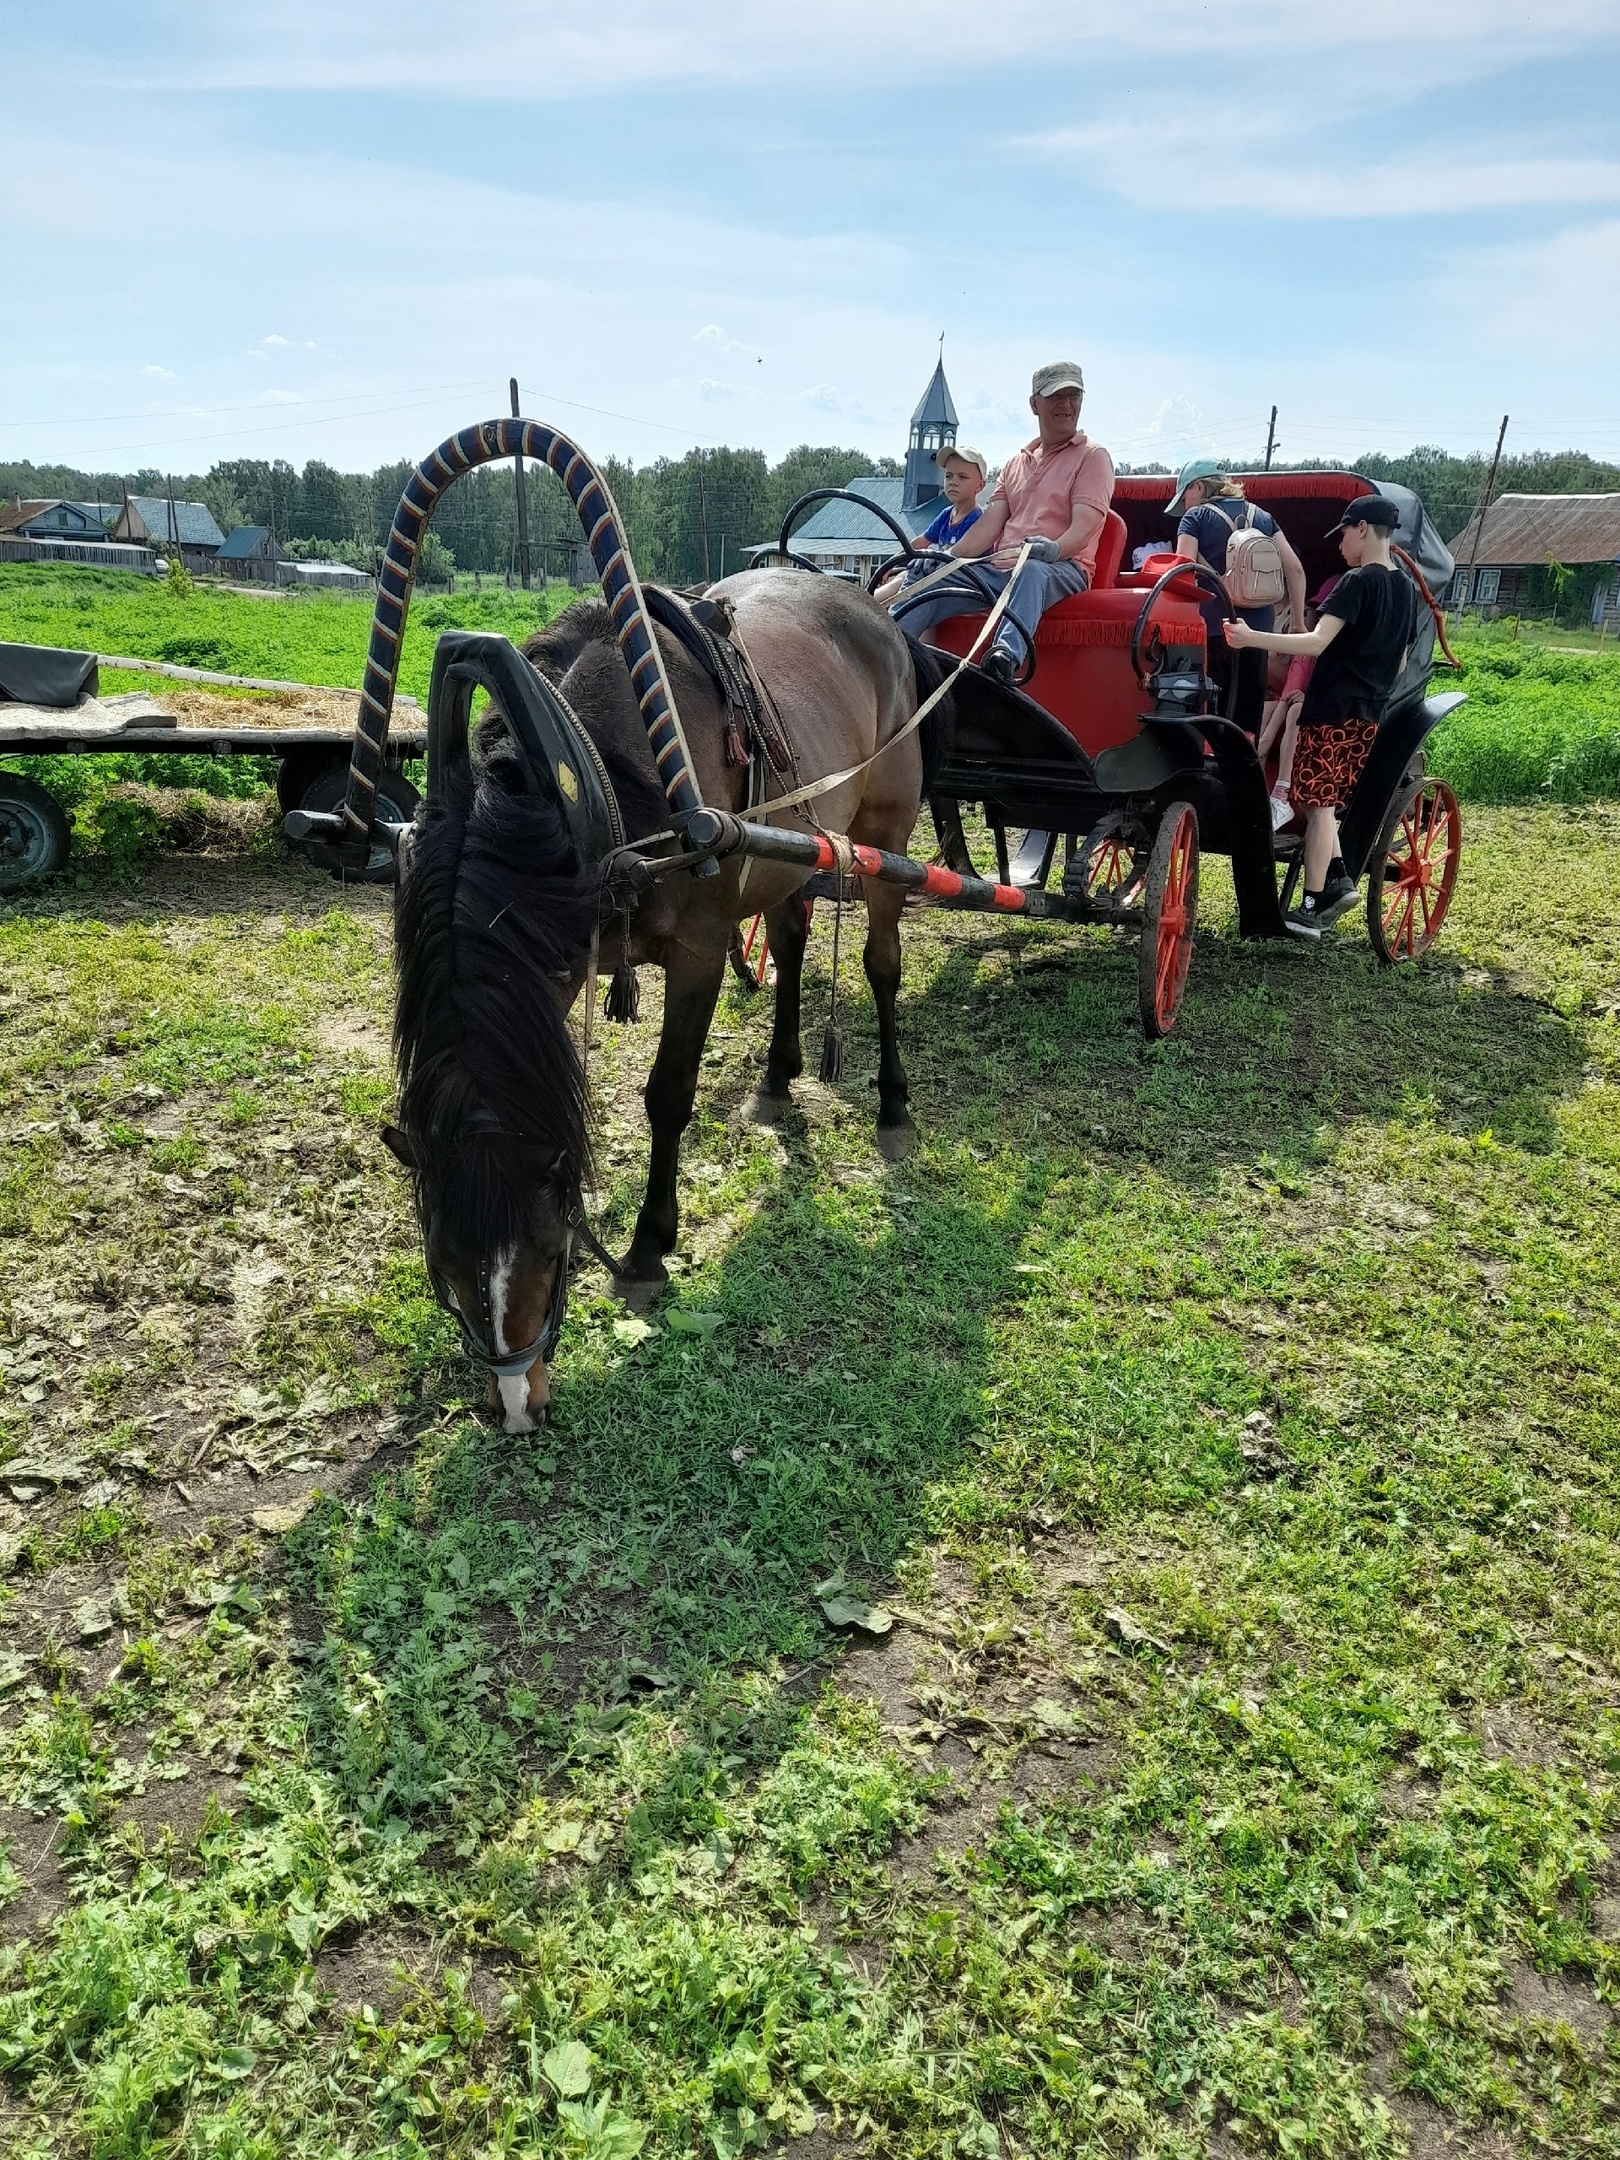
column 1254, row 567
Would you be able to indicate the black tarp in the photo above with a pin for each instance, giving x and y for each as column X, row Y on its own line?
column 41, row 675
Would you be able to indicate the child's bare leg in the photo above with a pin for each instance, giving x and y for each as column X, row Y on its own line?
column 1321, row 845
column 1271, row 721
column 1285, row 756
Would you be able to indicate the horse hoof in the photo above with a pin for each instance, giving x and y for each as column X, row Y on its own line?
column 896, row 1142
column 764, row 1109
column 637, row 1292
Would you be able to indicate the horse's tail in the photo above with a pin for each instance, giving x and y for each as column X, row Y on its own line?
column 929, row 669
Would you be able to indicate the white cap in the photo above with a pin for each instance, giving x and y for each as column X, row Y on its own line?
column 968, row 455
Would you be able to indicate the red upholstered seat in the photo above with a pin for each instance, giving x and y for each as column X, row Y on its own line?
column 1110, row 552
column 1083, row 671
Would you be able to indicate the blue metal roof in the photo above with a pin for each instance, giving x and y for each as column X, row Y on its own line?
column 245, row 540
column 846, row 528
column 193, row 522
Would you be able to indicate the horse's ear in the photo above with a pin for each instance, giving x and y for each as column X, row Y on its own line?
column 398, row 1143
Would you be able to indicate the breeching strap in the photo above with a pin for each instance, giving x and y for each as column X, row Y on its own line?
column 604, row 531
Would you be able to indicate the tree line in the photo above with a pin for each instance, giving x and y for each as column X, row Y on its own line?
column 689, row 518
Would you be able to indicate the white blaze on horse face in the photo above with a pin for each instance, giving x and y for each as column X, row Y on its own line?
column 514, row 1387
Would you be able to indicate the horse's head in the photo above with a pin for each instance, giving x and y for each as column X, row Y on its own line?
column 493, row 924
column 498, row 1217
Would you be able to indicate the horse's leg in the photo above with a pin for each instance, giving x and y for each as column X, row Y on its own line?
column 896, row 1135
column 788, row 927
column 691, row 989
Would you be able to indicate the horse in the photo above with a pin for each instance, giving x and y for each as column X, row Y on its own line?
column 496, row 921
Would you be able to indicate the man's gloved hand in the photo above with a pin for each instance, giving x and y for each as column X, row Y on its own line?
column 1044, row 551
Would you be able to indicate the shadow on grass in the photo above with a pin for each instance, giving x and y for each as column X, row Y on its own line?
column 1015, row 1042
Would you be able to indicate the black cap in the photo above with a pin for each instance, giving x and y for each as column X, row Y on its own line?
column 1368, row 510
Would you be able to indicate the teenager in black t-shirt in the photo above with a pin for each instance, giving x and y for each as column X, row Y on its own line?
column 1360, row 645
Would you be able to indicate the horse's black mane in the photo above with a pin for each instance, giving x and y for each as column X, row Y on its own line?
column 495, row 913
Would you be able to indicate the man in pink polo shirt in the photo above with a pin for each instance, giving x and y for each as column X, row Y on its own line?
column 1054, row 493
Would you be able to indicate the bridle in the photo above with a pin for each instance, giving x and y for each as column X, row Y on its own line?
column 508, row 1364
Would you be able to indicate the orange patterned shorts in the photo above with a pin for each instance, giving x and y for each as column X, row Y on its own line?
column 1329, row 762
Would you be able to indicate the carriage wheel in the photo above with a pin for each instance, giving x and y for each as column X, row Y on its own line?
column 1418, row 852
column 1113, row 870
column 1108, row 872
column 1168, row 915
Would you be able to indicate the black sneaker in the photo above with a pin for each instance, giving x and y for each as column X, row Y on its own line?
column 999, row 667
column 1317, row 911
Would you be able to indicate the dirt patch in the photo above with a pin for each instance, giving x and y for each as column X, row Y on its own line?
column 1540, row 1998
column 31, row 1842
column 1431, row 2133
column 387, row 1968
column 1510, row 1735
column 173, row 1809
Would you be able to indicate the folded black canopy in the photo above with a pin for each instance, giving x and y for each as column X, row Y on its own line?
column 41, row 675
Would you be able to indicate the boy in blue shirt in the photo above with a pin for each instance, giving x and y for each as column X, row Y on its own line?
column 964, row 473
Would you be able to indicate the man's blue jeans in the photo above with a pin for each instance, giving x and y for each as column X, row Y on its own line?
column 1039, row 585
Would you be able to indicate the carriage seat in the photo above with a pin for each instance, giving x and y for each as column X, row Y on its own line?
column 1110, row 553
column 1084, row 677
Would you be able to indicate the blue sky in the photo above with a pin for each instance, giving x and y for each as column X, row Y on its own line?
column 331, row 228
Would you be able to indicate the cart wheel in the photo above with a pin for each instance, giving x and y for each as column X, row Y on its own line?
column 34, row 834
column 396, row 801
column 295, row 775
column 1416, row 868
column 1168, row 915
column 1113, row 870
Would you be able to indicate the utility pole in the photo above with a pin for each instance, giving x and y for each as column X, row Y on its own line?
column 1484, row 505
column 522, row 505
column 1271, row 437
column 174, row 516
column 703, row 514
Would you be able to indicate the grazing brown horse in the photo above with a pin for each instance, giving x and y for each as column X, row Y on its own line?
column 494, row 922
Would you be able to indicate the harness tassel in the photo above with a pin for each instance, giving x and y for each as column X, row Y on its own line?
column 623, row 1002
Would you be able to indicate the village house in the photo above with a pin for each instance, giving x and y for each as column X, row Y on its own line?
column 249, row 554
column 1524, row 537
column 159, row 522
column 53, row 530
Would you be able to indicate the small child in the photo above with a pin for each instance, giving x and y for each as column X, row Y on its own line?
column 1282, row 716
column 964, row 473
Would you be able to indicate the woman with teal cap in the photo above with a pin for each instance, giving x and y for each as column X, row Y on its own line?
column 1212, row 508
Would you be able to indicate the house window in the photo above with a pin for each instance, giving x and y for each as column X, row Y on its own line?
column 1459, row 590
column 1490, row 585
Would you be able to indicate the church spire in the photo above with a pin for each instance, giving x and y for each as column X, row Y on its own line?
column 933, row 428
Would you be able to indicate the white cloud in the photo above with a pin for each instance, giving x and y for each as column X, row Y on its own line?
column 1566, row 286
column 1130, row 160
column 275, row 339
column 167, row 374
column 569, row 48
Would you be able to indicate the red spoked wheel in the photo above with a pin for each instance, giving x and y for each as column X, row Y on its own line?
column 1112, row 864
column 1169, row 913
column 1415, row 871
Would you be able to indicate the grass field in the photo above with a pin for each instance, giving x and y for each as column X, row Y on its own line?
column 1539, row 726
column 1226, row 1427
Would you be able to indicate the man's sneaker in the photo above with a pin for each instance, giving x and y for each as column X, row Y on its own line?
column 1282, row 810
column 998, row 665
column 1317, row 911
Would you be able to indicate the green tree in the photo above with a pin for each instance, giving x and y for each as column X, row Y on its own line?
column 325, row 510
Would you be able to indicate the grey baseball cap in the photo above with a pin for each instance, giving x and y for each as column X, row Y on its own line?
column 1057, row 375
